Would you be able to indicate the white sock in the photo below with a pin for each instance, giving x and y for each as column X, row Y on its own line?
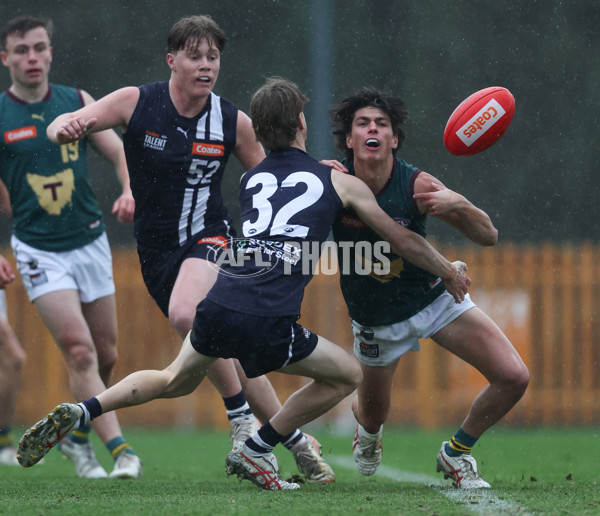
column 363, row 433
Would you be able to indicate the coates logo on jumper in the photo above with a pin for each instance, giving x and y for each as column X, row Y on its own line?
column 208, row 149
column 23, row 133
column 220, row 241
column 352, row 221
column 480, row 123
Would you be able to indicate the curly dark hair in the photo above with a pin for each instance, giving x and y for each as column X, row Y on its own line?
column 342, row 115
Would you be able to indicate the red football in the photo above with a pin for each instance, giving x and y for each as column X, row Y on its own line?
column 479, row 121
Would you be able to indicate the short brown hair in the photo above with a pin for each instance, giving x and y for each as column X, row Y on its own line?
column 21, row 25
column 274, row 109
column 189, row 31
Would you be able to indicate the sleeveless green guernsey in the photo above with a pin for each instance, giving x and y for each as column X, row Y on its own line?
column 374, row 300
column 54, row 207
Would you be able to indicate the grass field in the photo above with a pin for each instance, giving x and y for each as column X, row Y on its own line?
column 538, row 471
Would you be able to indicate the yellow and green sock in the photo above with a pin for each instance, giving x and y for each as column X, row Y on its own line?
column 460, row 443
column 81, row 435
column 5, row 437
column 118, row 446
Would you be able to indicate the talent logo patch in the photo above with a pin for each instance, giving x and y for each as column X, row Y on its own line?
column 208, row 149
column 369, row 350
column 23, row 133
column 155, row 141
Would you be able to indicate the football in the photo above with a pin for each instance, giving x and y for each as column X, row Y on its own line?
column 479, row 121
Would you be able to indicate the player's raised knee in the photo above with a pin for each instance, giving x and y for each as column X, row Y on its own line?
column 352, row 375
column 520, row 378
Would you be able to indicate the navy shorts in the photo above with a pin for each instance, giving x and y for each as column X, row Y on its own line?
column 261, row 344
column 160, row 267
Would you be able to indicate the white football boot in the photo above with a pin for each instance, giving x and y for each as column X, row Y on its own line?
column 462, row 470
column 38, row 440
column 262, row 471
column 127, row 465
column 367, row 450
column 310, row 462
column 242, row 428
column 83, row 457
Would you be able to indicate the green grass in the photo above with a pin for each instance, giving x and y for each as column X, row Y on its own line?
column 540, row 471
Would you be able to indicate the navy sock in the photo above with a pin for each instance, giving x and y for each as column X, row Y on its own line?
column 237, row 406
column 264, row 440
column 91, row 410
column 291, row 439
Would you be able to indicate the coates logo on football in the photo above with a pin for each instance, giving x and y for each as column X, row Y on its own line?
column 480, row 123
column 208, row 149
column 23, row 133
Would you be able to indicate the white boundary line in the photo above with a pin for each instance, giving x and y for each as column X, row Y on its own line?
column 478, row 501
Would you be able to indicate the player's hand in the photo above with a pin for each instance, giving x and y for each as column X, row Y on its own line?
column 6, row 273
column 334, row 164
column 459, row 285
column 74, row 129
column 440, row 201
column 124, row 208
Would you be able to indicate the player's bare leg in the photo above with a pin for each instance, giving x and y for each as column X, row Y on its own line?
column 67, row 320
column 371, row 407
column 261, row 396
column 195, row 278
column 181, row 377
column 62, row 314
column 307, row 450
column 101, row 319
column 335, row 375
column 476, row 339
column 12, row 358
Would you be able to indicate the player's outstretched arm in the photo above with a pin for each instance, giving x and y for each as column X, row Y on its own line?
column 434, row 199
column 113, row 110
column 404, row 242
column 108, row 144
